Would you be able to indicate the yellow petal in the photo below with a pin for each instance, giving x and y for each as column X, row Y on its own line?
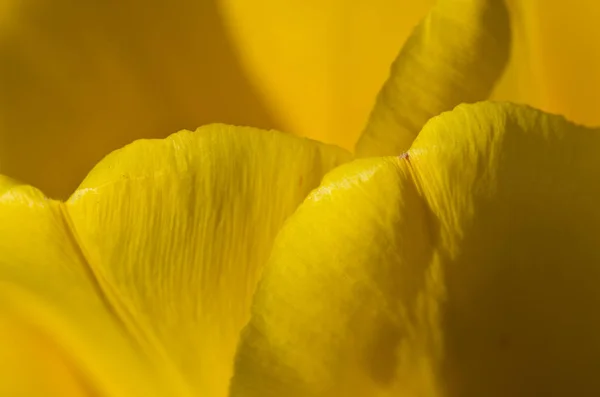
column 468, row 267
column 179, row 230
column 78, row 80
column 60, row 338
column 31, row 355
column 455, row 55
column 515, row 200
column 556, row 69
column 334, row 311
column 321, row 63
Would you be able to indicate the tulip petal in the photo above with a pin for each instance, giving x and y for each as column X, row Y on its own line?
column 339, row 295
column 467, row 267
column 80, row 79
column 59, row 336
column 455, row 55
column 516, row 202
column 178, row 231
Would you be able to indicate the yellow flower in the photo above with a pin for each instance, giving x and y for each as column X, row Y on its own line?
column 466, row 266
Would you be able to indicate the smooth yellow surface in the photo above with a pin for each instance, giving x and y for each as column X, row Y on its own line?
column 454, row 56
column 32, row 352
column 142, row 280
column 59, row 336
column 555, row 58
column 467, row 268
column 569, row 58
column 321, row 62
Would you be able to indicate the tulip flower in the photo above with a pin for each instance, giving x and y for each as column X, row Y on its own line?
column 454, row 254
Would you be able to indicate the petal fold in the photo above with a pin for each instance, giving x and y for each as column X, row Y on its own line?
column 466, row 267
column 60, row 338
column 515, row 198
column 347, row 305
column 455, row 55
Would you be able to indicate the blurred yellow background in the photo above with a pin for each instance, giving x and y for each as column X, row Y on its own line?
column 81, row 78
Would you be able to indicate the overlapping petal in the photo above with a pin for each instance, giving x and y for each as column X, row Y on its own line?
column 155, row 256
column 466, row 267
column 454, row 56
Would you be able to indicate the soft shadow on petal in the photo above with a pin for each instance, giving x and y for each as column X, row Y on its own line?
column 347, row 303
column 60, row 338
column 177, row 232
column 455, row 55
column 467, row 267
column 80, row 79
column 516, row 198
